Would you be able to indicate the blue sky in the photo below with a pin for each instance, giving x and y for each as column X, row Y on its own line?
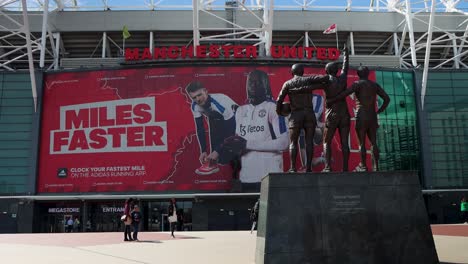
column 463, row 4
column 357, row 5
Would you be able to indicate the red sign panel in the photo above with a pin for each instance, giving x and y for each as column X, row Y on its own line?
column 225, row 51
column 163, row 129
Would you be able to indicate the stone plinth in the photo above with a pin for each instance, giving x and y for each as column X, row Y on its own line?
column 337, row 218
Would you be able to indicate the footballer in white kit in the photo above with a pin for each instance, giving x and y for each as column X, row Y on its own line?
column 266, row 135
column 261, row 132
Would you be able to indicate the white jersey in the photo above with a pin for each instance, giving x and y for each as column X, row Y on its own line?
column 267, row 136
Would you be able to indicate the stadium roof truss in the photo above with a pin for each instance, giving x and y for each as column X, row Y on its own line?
column 451, row 41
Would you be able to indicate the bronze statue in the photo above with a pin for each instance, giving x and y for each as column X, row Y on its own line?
column 366, row 92
column 302, row 113
column 336, row 115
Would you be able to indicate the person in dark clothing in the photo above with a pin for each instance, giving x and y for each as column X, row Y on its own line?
column 464, row 210
column 180, row 219
column 172, row 215
column 128, row 219
column 136, row 219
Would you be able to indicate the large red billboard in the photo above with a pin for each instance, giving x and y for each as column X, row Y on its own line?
column 162, row 129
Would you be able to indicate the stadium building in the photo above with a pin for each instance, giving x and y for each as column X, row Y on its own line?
column 95, row 105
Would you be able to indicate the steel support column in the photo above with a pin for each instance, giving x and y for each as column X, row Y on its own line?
column 409, row 22
column 151, row 42
column 45, row 15
column 57, row 50
column 268, row 25
column 428, row 54
column 29, row 49
column 104, row 44
column 456, row 59
column 395, row 44
column 196, row 26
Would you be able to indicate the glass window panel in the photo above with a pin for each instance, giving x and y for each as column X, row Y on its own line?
column 462, row 117
column 443, row 131
column 461, row 107
column 438, row 84
column 397, row 136
column 431, row 91
column 391, row 108
column 461, row 99
column 441, row 115
column 442, row 123
column 400, row 106
column 441, row 99
column 438, row 107
column 439, row 140
column 439, row 76
column 459, row 76
column 444, row 156
column 449, row 174
column 388, row 85
column 410, row 103
column 459, row 86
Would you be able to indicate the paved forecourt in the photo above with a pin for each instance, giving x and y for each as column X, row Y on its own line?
column 225, row 247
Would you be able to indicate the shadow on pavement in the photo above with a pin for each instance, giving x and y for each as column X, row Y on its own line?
column 148, row 241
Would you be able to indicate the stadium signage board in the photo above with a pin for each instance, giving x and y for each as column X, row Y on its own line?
column 230, row 51
column 135, row 129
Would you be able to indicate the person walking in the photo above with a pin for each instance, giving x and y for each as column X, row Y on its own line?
column 70, row 224
column 76, row 225
column 88, row 226
column 136, row 219
column 464, row 210
column 127, row 219
column 172, row 215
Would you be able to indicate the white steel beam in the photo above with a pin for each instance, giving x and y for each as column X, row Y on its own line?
column 306, row 39
column 381, row 45
column 45, row 15
column 428, row 54
column 30, row 57
column 4, row 64
column 196, row 26
column 351, row 41
column 462, row 44
column 395, row 44
column 151, row 41
column 451, row 59
column 268, row 25
column 57, row 51
column 59, row 4
column 259, row 34
column 456, row 60
column 104, row 44
column 409, row 22
column 402, row 41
